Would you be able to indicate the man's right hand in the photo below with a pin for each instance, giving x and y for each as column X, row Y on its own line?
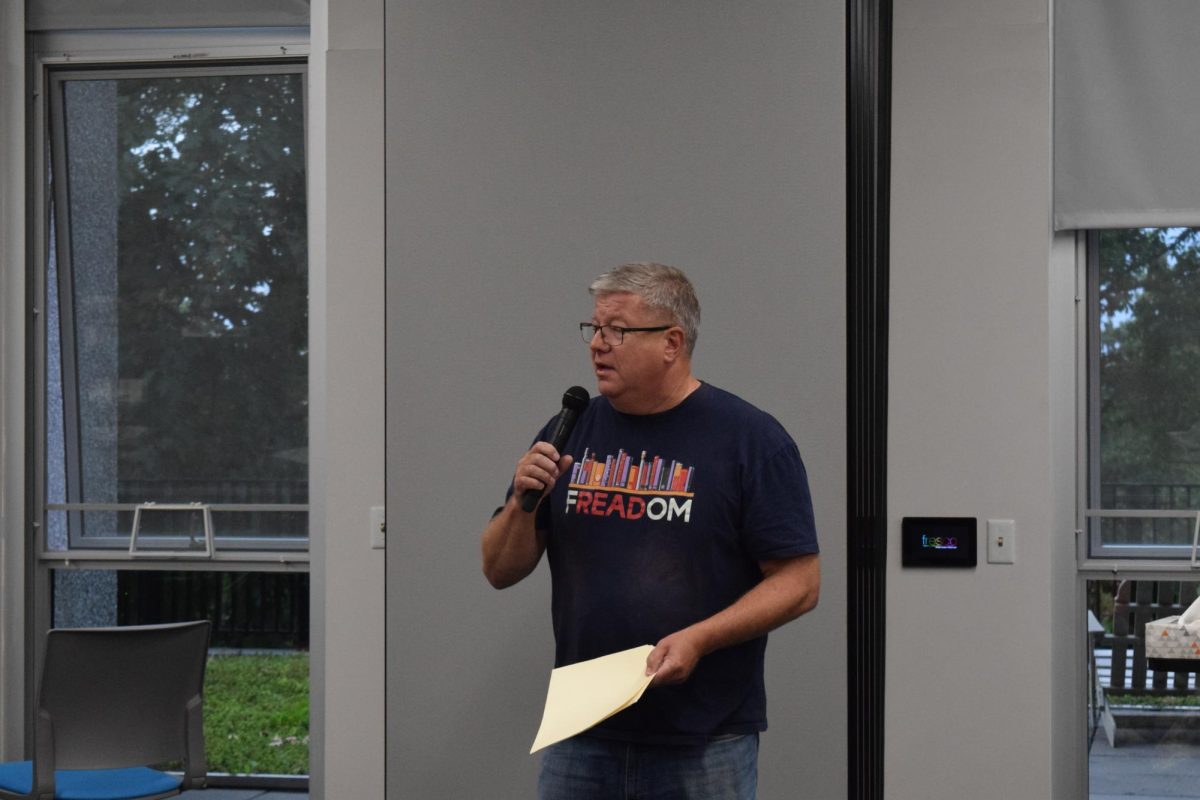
column 539, row 469
column 511, row 544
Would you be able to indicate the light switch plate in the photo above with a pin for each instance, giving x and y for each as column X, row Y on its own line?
column 378, row 526
column 1001, row 541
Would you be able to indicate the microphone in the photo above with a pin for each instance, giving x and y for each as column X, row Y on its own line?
column 574, row 401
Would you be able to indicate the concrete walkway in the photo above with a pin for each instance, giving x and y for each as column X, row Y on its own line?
column 1165, row 771
column 1136, row 771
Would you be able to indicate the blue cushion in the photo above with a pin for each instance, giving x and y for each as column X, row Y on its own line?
column 91, row 784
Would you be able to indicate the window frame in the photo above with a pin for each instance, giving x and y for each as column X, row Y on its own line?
column 56, row 58
column 118, row 50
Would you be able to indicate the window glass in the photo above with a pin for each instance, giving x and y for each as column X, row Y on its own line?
column 1142, row 697
column 178, row 362
column 256, row 688
column 1146, row 364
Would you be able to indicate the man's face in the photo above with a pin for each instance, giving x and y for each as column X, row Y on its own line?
column 634, row 371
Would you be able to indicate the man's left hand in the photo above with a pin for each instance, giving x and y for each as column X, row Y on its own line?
column 673, row 658
column 789, row 588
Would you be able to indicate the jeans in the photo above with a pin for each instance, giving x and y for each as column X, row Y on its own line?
column 587, row 768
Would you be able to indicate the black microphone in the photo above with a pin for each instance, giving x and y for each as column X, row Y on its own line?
column 575, row 400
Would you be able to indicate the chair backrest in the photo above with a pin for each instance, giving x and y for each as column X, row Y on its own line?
column 123, row 697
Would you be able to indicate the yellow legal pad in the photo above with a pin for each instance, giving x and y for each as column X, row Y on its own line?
column 584, row 694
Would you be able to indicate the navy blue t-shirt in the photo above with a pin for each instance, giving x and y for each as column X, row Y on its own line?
column 661, row 523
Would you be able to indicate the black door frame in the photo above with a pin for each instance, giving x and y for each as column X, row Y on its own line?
column 868, row 145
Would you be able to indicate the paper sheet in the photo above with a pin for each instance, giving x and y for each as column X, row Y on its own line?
column 584, row 694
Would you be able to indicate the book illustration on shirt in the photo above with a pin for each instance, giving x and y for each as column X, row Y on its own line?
column 648, row 475
column 653, row 487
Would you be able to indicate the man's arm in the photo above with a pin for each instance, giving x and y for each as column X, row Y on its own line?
column 790, row 587
column 511, row 545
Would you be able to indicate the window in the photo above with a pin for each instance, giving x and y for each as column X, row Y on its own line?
column 170, row 363
column 175, row 325
column 1144, row 393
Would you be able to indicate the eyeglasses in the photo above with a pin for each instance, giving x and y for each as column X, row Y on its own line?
column 613, row 335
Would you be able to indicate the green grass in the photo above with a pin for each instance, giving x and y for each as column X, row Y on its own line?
column 256, row 714
column 1155, row 701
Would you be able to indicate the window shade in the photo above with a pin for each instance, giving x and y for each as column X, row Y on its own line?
column 63, row 15
column 1126, row 113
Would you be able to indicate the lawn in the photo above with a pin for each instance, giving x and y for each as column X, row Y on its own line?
column 1154, row 701
column 256, row 714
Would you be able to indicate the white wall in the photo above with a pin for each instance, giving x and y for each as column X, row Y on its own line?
column 980, row 408
column 531, row 146
column 347, row 396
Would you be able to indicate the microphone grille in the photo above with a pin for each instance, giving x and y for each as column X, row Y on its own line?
column 576, row 398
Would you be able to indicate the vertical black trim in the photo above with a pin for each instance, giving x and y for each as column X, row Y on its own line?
column 868, row 141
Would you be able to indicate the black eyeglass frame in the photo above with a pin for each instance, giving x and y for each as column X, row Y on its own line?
column 619, row 330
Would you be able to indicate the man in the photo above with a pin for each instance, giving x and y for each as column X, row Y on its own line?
column 676, row 515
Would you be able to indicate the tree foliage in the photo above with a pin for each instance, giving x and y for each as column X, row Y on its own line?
column 1149, row 365
column 212, row 279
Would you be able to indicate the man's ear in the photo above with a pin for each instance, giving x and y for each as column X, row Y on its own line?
column 675, row 344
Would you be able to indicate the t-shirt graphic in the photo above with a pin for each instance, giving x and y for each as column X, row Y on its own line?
column 654, row 487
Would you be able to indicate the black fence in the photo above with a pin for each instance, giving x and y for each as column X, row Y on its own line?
column 1133, row 604
column 1150, row 495
column 188, row 490
column 247, row 609
column 1152, row 531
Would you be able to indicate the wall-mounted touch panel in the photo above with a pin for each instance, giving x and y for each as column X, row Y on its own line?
column 939, row 541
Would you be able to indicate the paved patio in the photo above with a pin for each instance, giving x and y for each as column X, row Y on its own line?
column 1165, row 771
column 1138, row 771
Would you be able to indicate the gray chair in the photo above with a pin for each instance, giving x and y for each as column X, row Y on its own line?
column 112, row 702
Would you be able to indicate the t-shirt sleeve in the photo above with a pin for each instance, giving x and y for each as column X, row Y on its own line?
column 777, row 516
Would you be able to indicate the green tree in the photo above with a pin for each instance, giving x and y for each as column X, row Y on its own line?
column 212, row 280
column 1150, row 356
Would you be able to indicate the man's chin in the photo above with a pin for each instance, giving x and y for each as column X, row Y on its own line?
column 606, row 388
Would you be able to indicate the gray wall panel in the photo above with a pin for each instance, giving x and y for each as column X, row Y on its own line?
column 980, row 410
column 529, row 147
